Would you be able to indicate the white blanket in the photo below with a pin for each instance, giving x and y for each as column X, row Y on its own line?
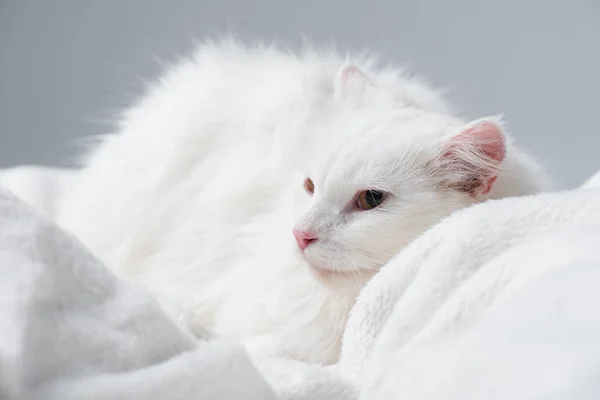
column 498, row 301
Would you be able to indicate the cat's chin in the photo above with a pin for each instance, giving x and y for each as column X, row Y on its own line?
column 349, row 282
column 319, row 271
column 330, row 275
column 337, row 277
column 323, row 272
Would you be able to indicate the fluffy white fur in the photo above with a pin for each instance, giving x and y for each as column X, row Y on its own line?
column 197, row 192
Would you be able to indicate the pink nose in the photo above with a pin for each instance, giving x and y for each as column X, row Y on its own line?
column 303, row 238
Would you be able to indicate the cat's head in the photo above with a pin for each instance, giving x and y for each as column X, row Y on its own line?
column 396, row 171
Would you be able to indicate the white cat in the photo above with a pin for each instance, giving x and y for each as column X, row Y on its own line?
column 268, row 187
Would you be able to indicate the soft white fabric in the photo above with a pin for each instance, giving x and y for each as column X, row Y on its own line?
column 69, row 329
column 498, row 301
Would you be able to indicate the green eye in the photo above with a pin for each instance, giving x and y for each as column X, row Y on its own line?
column 369, row 199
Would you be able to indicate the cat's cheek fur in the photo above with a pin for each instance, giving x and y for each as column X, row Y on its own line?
column 368, row 239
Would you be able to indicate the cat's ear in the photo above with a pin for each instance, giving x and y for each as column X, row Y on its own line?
column 472, row 156
column 350, row 84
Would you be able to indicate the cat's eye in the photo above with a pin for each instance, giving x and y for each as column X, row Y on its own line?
column 369, row 199
column 309, row 186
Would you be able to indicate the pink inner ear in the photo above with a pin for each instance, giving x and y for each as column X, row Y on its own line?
column 352, row 81
column 475, row 154
column 486, row 137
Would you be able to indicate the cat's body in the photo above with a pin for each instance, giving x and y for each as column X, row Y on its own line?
column 198, row 191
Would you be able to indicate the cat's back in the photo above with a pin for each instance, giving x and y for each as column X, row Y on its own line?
column 214, row 118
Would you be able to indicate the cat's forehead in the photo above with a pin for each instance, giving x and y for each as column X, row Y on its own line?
column 379, row 152
column 375, row 148
column 370, row 165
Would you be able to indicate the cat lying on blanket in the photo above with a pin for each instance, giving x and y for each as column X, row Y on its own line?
column 268, row 187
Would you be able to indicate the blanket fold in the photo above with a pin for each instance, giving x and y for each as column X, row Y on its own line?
column 70, row 329
column 495, row 302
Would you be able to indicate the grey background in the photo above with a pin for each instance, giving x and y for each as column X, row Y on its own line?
column 65, row 66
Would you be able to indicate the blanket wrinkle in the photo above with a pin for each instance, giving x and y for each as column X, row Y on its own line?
column 71, row 329
column 463, row 281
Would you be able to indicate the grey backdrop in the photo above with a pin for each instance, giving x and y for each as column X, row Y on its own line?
column 65, row 66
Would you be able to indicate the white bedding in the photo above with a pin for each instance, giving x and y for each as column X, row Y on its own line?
column 499, row 301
